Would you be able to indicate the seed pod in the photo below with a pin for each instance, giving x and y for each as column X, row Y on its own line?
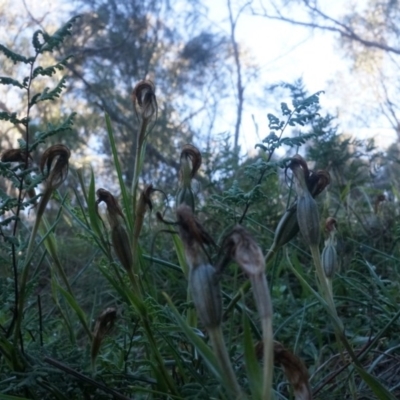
column 329, row 259
column 287, row 228
column 206, row 294
column 308, row 219
column 122, row 247
column 307, row 210
column 203, row 277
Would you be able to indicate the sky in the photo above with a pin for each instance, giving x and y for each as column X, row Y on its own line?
column 283, row 53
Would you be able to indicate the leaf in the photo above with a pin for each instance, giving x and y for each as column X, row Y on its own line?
column 205, row 352
column 52, row 69
column 125, row 197
column 64, row 126
column 381, row 392
column 5, row 116
column 48, row 94
column 254, row 372
column 55, row 40
column 15, row 57
column 5, row 80
column 76, row 307
column 180, row 253
column 8, row 397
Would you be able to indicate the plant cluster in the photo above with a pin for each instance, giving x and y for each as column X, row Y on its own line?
column 177, row 304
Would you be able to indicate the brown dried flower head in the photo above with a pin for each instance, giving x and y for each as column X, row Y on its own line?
column 379, row 199
column 193, row 235
column 330, row 224
column 14, row 155
column 295, row 371
column 113, row 208
column 318, row 181
column 245, row 251
column 191, row 161
column 144, row 99
column 55, row 161
column 104, row 323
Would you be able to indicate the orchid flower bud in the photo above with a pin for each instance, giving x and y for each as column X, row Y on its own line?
column 144, row 99
column 55, row 161
column 190, row 164
column 119, row 236
column 203, row 277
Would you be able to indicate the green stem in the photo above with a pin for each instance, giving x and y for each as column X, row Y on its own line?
column 140, row 142
column 25, row 271
column 225, row 365
column 246, row 285
column 264, row 306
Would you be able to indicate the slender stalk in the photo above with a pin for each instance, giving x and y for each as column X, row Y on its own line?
column 225, row 365
column 264, row 306
column 25, row 271
column 140, row 142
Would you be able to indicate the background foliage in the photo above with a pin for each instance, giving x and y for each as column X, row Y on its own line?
column 65, row 264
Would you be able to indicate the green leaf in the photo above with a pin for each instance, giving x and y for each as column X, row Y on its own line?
column 380, row 391
column 58, row 37
column 51, row 70
column 15, row 57
column 48, row 94
column 64, row 126
column 180, row 253
column 5, row 80
column 8, row 397
column 92, row 209
column 12, row 117
column 125, row 196
column 254, row 372
column 76, row 307
column 205, row 352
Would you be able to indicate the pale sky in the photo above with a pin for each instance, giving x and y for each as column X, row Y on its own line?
column 285, row 53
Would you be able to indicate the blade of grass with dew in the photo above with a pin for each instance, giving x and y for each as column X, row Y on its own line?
column 124, row 192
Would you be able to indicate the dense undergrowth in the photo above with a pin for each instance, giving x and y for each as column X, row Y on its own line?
column 129, row 292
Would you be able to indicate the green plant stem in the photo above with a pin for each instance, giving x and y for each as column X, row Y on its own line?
column 25, row 270
column 264, row 306
column 325, row 290
column 140, row 143
column 246, row 285
column 224, row 363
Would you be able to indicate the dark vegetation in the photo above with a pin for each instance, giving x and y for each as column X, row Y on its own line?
column 157, row 275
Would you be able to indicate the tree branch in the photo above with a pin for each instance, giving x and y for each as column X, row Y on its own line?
column 337, row 27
